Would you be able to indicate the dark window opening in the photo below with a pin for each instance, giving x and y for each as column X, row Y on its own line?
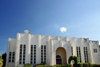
column 58, row 57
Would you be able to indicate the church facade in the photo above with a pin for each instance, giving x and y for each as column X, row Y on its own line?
column 34, row 49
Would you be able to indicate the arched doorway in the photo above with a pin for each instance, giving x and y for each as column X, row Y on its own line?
column 61, row 56
column 58, row 59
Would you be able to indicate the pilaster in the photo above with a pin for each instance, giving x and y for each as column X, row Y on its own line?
column 98, row 52
column 38, row 50
column 82, row 52
column 69, row 49
column 17, row 49
column 88, row 49
column 74, row 47
column 27, row 57
column 91, row 52
column 48, row 50
column 8, row 50
column 51, row 52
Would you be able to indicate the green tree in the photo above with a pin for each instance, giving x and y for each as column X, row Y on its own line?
column 74, row 58
column 4, row 59
column 99, row 47
column 76, row 62
column 1, row 63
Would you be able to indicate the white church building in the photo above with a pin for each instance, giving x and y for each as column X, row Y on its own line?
column 34, row 49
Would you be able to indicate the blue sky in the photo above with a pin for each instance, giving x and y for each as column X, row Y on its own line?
column 72, row 18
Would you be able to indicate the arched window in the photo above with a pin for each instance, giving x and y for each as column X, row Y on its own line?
column 58, row 57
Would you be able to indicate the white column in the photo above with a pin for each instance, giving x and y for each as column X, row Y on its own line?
column 98, row 58
column 82, row 52
column 68, row 50
column 8, row 50
column 38, row 50
column 27, row 57
column 53, row 55
column 88, row 50
column 91, row 52
column 74, row 47
column 51, row 52
column 69, row 47
column 48, row 51
column 17, row 49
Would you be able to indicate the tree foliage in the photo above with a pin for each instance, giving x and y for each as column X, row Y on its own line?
column 1, row 63
column 4, row 59
column 75, row 58
column 43, row 63
column 27, row 65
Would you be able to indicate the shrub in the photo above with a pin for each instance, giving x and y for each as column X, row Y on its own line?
column 36, row 65
column 70, row 58
column 96, row 65
column 44, row 66
column 90, row 65
column 43, row 63
column 85, row 65
column 58, row 65
column 69, row 65
column 18, row 66
column 27, row 65
column 73, row 62
column 64, row 65
column 75, row 58
column 78, row 65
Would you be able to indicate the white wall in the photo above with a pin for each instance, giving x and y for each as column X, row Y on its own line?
column 95, row 55
column 11, row 48
column 52, row 43
column 34, row 39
